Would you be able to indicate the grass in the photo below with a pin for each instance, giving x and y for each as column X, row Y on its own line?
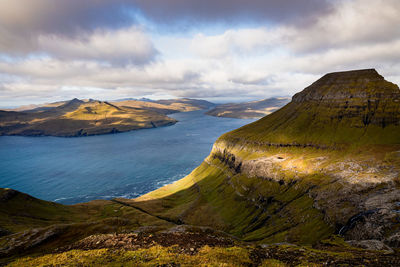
column 221, row 202
column 240, row 255
column 78, row 118
column 332, row 122
column 154, row 256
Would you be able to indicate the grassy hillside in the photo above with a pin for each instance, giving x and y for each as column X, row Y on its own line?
column 320, row 165
column 357, row 107
column 102, row 233
column 79, row 118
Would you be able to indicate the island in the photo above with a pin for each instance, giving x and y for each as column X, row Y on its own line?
column 246, row 110
column 92, row 117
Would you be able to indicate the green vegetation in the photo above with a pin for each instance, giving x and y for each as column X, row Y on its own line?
column 238, row 255
column 295, row 188
column 357, row 107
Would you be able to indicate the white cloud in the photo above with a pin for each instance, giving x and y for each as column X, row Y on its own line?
column 242, row 41
column 126, row 45
column 254, row 62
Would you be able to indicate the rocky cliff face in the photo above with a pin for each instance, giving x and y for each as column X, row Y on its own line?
column 362, row 95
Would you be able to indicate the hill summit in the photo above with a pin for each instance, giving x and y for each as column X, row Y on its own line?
column 351, row 107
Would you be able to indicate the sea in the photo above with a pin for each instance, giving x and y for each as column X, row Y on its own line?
column 80, row 169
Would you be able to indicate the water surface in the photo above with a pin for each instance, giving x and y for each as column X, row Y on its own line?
column 73, row 170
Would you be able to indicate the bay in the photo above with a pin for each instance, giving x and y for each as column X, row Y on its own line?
column 74, row 170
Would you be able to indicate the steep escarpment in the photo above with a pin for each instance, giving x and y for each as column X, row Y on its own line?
column 326, row 163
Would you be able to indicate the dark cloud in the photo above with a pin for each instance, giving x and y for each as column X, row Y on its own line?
column 62, row 17
column 74, row 29
column 21, row 22
column 74, row 16
column 167, row 11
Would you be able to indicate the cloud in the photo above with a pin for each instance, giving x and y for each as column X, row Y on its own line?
column 206, row 11
column 21, row 21
column 128, row 46
column 93, row 57
column 350, row 23
column 242, row 41
column 92, row 30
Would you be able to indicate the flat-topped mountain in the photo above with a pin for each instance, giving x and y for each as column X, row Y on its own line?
column 354, row 107
column 245, row 110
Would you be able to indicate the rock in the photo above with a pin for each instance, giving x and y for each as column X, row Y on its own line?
column 370, row 245
column 393, row 240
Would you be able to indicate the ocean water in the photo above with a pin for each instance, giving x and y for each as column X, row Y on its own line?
column 74, row 170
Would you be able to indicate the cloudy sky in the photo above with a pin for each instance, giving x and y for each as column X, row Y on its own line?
column 218, row 50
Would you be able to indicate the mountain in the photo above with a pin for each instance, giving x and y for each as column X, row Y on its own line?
column 245, row 110
column 187, row 104
column 91, row 117
column 315, row 183
column 167, row 106
column 79, row 118
column 326, row 163
column 354, row 107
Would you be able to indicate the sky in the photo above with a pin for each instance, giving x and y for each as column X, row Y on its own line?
column 220, row 50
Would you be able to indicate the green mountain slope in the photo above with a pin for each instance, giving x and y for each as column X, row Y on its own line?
column 328, row 162
column 340, row 108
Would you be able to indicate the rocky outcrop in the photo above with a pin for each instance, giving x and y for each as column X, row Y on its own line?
column 370, row 245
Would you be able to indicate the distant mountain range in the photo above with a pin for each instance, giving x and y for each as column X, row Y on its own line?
column 253, row 109
column 91, row 117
